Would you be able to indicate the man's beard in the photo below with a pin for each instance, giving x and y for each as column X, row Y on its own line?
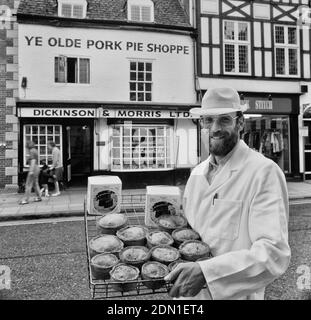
column 223, row 146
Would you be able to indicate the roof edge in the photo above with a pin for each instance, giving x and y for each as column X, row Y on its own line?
column 72, row 22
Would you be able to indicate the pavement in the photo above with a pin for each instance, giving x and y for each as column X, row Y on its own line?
column 71, row 202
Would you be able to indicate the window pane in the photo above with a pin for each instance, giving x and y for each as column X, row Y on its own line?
column 141, row 66
column 148, row 76
column 243, row 31
column 42, row 129
column 35, row 130
column 84, row 70
column 146, row 14
column 57, row 140
column 148, row 66
column 229, row 30
column 148, row 86
column 133, row 86
column 140, row 86
column 133, row 76
column 42, row 140
column 140, row 96
column 280, row 60
column 243, row 59
column 135, row 13
column 292, row 35
column 50, row 129
column 133, row 66
column 77, row 11
column 27, row 129
column 66, row 10
column 148, row 96
column 140, row 76
column 293, row 61
column 60, row 69
column 229, row 58
column 132, row 96
column 279, row 34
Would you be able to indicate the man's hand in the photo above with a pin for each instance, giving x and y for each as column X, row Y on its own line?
column 188, row 280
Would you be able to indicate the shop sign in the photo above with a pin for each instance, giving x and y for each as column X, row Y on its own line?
column 263, row 105
column 101, row 113
column 106, row 45
column 143, row 114
column 58, row 112
column 276, row 105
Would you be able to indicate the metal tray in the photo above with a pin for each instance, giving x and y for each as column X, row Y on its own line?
column 134, row 207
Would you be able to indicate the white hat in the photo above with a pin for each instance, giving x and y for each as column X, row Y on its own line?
column 219, row 101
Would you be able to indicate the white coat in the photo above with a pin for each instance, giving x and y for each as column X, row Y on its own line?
column 246, row 226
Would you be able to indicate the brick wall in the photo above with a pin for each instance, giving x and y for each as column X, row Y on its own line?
column 8, row 92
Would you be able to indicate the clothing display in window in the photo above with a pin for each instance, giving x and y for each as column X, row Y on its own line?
column 272, row 143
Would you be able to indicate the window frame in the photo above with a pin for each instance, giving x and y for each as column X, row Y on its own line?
column 286, row 46
column 72, row 3
column 77, row 76
column 144, row 82
column 38, row 145
column 236, row 43
column 141, row 4
column 168, row 143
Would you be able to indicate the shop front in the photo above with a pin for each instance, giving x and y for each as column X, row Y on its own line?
column 271, row 128
column 141, row 145
column 305, row 140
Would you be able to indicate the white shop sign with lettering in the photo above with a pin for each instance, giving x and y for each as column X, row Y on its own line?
column 25, row 112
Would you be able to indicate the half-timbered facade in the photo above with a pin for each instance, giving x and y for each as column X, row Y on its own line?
column 260, row 49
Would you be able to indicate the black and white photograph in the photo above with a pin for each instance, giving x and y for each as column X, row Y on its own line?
column 155, row 151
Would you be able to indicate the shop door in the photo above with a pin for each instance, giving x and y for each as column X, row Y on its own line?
column 80, row 153
column 307, row 149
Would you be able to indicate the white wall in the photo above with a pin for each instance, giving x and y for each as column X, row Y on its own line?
column 186, row 134
column 172, row 72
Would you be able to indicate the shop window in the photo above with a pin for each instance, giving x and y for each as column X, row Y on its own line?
column 72, row 70
column 141, row 147
column 41, row 135
column 140, row 81
column 140, row 10
column 286, row 50
column 236, row 47
column 72, row 8
column 269, row 135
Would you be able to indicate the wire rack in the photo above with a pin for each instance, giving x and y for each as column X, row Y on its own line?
column 134, row 207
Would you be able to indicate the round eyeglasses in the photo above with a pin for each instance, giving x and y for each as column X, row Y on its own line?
column 224, row 120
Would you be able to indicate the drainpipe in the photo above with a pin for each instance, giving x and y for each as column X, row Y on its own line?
column 196, row 81
column 98, row 145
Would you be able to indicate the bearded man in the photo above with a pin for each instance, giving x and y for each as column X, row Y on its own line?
column 237, row 201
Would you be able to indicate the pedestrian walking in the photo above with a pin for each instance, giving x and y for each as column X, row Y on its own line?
column 237, row 201
column 56, row 168
column 33, row 174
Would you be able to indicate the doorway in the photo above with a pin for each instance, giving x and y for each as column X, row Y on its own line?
column 79, row 153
